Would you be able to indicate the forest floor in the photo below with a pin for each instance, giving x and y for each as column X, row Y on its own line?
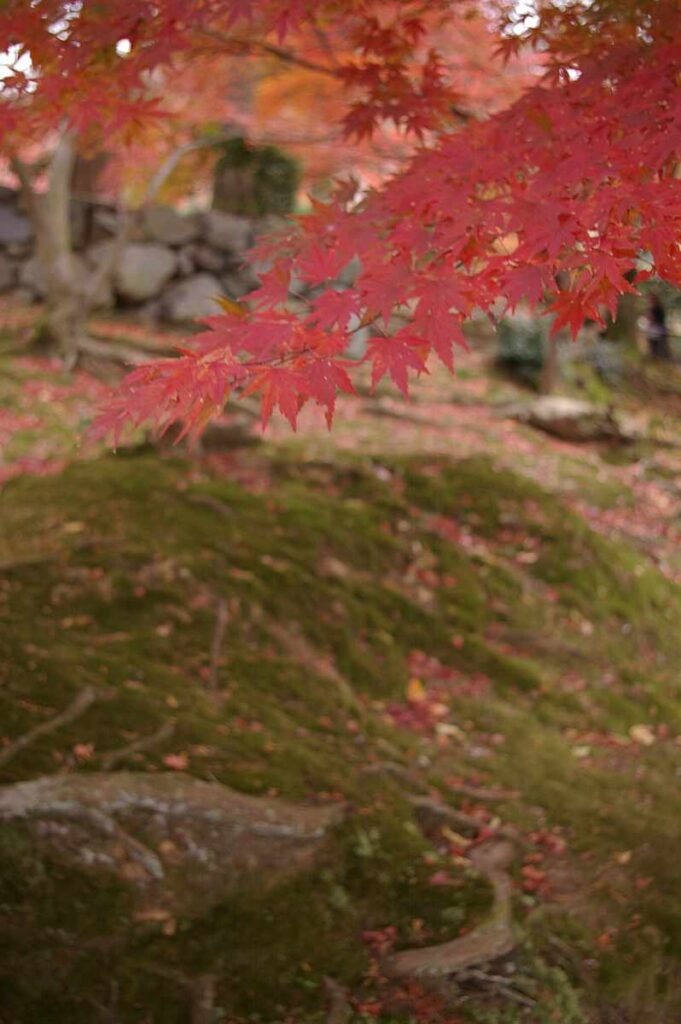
column 452, row 628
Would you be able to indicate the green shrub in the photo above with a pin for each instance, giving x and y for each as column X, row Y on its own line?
column 521, row 344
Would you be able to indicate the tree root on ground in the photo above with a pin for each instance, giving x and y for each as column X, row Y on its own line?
column 492, row 939
column 180, row 843
column 113, row 757
column 77, row 708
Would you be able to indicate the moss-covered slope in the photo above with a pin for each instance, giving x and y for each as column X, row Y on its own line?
column 272, row 619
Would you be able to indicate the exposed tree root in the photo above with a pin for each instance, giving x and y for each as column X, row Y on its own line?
column 491, row 939
column 181, row 843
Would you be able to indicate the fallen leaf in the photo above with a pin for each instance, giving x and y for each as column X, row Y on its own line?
column 416, row 691
column 178, row 762
column 83, row 751
column 642, row 734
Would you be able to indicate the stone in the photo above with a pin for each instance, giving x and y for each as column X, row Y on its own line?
column 192, row 298
column 19, row 250
column 207, row 258
column 94, row 254
column 104, row 223
column 185, row 263
column 572, row 419
column 32, row 277
column 14, row 227
column 227, row 232
column 8, row 273
column 142, row 270
column 181, row 844
column 240, row 283
column 165, row 225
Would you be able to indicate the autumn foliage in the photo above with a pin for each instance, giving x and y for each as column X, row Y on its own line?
column 570, row 193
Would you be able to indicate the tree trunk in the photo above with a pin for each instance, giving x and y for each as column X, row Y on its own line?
column 624, row 327
column 63, row 325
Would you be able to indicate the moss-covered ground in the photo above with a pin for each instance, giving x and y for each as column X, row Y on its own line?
column 394, row 622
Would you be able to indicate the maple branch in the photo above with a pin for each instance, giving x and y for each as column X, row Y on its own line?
column 287, row 56
column 159, row 179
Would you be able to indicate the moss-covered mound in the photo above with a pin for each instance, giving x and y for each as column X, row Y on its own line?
column 359, row 632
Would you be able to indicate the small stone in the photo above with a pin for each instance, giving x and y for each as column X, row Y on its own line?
column 207, row 258
column 227, row 232
column 165, row 225
column 8, row 273
column 192, row 298
column 14, row 227
column 142, row 269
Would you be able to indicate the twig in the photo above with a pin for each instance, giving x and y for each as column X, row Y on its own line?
column 493, row 795
column 221, row 622
column 78, row 707
column 164, row 732
column 237, row 43
column 172, row 160
column 296, row 646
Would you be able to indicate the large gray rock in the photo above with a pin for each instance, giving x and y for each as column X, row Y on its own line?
column 8, row 273
column 14, row 227
column 142, row 269
column 165, row 225
column 192, row 298
column 573, row 419
column 226, row 231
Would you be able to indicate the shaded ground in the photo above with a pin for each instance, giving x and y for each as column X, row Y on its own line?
column 430, row 603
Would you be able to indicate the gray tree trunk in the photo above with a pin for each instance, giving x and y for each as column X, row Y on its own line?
column 63, row 326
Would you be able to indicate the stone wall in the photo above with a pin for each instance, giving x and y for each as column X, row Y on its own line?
column 170, row 271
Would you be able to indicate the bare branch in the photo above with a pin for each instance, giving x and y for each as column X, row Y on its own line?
column 159, row 179
column 164, row 732
column 241, row 46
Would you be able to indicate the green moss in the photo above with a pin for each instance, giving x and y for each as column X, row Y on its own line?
column 116, row 584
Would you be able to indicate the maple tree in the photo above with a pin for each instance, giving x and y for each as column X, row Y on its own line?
column 157, row 88
column 558, row 193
